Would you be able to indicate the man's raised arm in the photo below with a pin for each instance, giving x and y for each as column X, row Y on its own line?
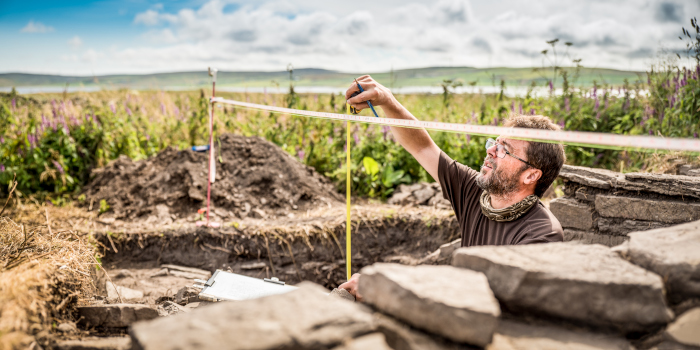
column 415, row 141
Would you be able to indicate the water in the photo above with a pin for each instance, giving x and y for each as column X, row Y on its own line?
column 510, row 91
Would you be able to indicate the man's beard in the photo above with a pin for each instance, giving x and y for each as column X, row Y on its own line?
column 498, row 184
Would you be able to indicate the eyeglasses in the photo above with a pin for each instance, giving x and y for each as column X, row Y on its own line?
column 501, row 151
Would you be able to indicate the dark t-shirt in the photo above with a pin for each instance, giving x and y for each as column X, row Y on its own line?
column 459, row 186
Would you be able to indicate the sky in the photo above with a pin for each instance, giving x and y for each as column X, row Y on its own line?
column 72, row 37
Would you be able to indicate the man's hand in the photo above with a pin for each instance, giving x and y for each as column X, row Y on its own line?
column 373, row 91
column 415, row 141
column 351, row 285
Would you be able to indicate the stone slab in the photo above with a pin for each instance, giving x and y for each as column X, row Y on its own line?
column 423, row 195
column 305, row 318
column 686, row 328
column 342, row 293
column 583, row 283
column 95, row 343
column 454, row 303
column 623, row 227
column 370, row 341
column 673, row 253
column 400, row 336
column 647, row 209
column 515, row 335
column 572, row 213
column 671, row 185
column 114, row 315
column 114, row 292
column 587, row 237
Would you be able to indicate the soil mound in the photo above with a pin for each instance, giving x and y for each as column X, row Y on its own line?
column 254, row 178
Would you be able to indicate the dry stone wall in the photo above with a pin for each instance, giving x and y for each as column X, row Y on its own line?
column 603, row 206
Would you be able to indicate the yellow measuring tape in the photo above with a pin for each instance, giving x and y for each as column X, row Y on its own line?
column 348, row 266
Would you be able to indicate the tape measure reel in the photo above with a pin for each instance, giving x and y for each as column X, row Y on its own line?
column 354, row 110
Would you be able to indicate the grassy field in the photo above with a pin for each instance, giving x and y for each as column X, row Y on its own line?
column 53, row 141
column 318, row 77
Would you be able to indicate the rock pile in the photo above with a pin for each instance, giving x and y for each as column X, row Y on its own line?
column 603, row 206
column 422, row 193
column 643, row 294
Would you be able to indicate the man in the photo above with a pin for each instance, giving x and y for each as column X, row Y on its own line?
column 498, row 205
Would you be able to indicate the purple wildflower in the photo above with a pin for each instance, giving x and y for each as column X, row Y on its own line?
column 2, row 168
column 695, row 135
column 562, row 124
column 512, row 106
column 356, row 137
column 468, row 137
column 58, row 166
column 521, row 109
column 330, row 139
column 551, row 87
column 2, row 140
column 177, row 111
column 128, row 111
column 532, row 111
column 300, row 154
column 597, row 104
column 162, row 108
column 567, row 105
column 651, row 132
column 385, row 131
column 14, row 104
column 114, row 109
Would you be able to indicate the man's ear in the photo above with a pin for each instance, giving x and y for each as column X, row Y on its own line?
column 531, row 176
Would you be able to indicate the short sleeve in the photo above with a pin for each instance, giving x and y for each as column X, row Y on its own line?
column 456, row 181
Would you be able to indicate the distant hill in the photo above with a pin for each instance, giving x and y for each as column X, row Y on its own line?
column 431, row 76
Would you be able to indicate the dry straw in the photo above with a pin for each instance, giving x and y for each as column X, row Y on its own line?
column 43, row 273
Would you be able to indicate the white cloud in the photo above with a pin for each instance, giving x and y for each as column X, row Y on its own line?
column 376, row 35
column 75, row 42
column 36, row 27
column 149, row 18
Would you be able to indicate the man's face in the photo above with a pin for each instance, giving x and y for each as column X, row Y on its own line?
column 501, row 176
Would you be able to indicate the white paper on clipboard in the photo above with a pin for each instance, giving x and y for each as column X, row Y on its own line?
column 230, row 286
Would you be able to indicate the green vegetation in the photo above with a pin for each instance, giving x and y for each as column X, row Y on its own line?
column 431, row 76
column 53, row 141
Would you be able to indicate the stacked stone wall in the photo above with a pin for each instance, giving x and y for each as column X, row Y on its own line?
column 603, row 206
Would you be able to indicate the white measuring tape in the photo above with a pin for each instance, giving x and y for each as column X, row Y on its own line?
column 569, row 137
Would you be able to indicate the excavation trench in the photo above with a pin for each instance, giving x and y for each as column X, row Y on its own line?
column 311, row 249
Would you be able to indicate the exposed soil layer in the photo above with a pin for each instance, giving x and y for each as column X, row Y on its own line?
column 253, row 178
column 310, row 249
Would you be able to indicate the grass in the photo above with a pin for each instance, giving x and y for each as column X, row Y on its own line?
column 44, row 272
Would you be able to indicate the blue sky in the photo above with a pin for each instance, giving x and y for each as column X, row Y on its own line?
column 111, row 37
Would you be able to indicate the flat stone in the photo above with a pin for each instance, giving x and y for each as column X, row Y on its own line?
column 513, row 335
column 423, row 195
column 686, row 328
column 615, row 227
column 400, row 198
column 672, row 252
column 371, row 341
column 572, row 213
column 95, row 343
column 400, row 336
column 304, row 318
column 114, row 292
column 342, row 293
column 587, row 237
column 694, row 172
column 671, row 185
column 114, row 315
column 587, row 284
column 454, row 303
column 684, row 169
column 598, row 178
column 647, row 209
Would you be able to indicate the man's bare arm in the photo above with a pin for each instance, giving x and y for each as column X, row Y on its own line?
column 415, row 141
